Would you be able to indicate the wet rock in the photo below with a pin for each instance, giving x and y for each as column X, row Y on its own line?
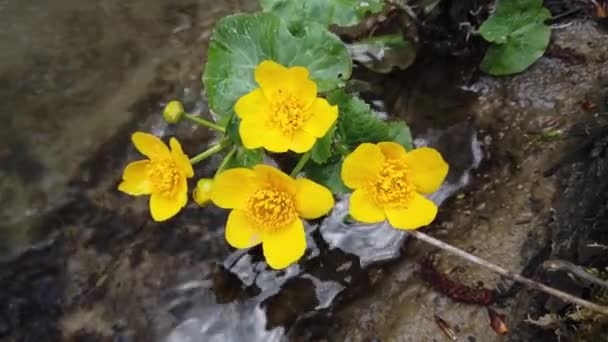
column 400, row 307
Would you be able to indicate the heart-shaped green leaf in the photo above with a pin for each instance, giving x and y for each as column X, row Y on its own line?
column 519, row 34
column 240, row 42
column 517, row 54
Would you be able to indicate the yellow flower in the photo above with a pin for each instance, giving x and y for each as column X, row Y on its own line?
column 163, row 175
column 202, row 192
column 284, row 113
column 267, row 206
column 389, row 181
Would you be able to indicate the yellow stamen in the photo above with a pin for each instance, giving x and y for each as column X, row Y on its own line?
column 164, row 176
column 288, row 112
column 393, row 185
column 271, row 208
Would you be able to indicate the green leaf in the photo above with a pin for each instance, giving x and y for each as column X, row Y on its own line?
column 519, row 35
column 246, row 158
column 510, row 16
column 328, row 175
column 232, row 130
column 241, row 41
column 383, row 53
column 326, row 12
column 517, row 54
column 321, row 151
column 400, row 133
column 357, row 123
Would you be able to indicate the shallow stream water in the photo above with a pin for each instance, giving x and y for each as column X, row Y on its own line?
column 80, row 261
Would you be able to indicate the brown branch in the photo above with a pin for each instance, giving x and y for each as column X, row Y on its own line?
column 509, row 274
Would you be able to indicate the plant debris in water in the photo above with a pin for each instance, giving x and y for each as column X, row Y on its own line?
column 453, row 289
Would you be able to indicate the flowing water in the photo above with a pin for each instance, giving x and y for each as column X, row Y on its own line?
column 80, row 261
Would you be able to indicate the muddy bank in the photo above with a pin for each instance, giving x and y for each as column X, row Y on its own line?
column 506, row 215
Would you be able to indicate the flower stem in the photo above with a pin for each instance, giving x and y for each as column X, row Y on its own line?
column 300, row 165
column 208, row 153
column 510, row 274
column 204, row 122
column 226, row 160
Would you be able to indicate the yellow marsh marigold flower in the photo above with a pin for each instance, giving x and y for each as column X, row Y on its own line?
column 389, row 181
column 267, row 206
column 284, row 113
column 162, row 176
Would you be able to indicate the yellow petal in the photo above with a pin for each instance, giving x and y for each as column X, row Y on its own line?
column 270, row 76
column 150, row 146
column 302, row 141
column 249, row 131
column 275, row 140
column 392, row 150
column 163, row 208
column 202, row 192
column 312, row 200
column 362, row 165
column 364, row 209
column 182, row 192
column 275, row 79
column 419, row 212
column 135, row 179
column 181, row 159
column 322, row 116
column 233, row 188
column 298, row 83
column 267, row 175
column 428, row 169
column 253, row 105
column 284, row 246
column 240, row 231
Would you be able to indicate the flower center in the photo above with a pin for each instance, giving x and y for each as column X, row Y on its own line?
column 164, row 176
column 393, row 185
column 287, row 112
column 271, row 209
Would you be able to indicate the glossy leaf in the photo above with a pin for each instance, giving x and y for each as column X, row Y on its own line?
column 357, row 123
column 328, row 175
column 519, row 34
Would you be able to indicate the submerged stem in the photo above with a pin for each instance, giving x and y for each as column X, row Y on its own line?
column 204, row 122
column 509, row 274
column 300, row 165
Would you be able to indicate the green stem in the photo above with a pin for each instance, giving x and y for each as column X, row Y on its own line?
column 204, row 122
column 226, row 160
column 300, row 165
column 208, row 153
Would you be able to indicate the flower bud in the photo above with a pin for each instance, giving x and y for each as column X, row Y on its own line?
column 173, row 112
column 202, row 192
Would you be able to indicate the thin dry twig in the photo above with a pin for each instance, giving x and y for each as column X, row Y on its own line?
column 509, row 274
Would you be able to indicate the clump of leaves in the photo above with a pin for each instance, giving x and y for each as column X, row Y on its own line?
column 294, row 32
column 519, row 35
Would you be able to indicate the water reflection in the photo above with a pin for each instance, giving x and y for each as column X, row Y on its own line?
column 255, row 318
